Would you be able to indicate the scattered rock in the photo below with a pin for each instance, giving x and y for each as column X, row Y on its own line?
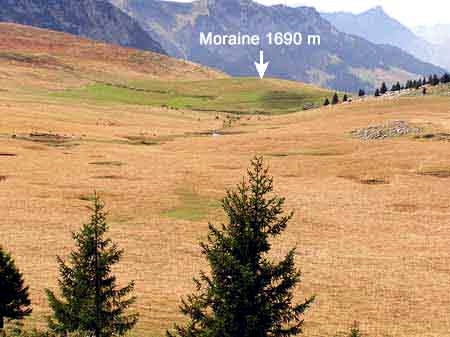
column 389, row 130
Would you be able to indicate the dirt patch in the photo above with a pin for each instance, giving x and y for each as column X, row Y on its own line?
column 3, row 178
column 281, row 154
column 374, row 181
column 388, row 130
column 107, row 163
column 325, row 152
column 404, row 208
column 214, row 133
column 441, row 136
column 109, row 177
column 49, row 139
column 437, row 172
column 366, row 180
column 141, row 140
column 41, row 60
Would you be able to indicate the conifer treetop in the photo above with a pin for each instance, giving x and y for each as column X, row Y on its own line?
column 245, row 293
column 91, row 301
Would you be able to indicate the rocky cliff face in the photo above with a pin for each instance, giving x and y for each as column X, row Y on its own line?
column 95, row 19
column 343, row 61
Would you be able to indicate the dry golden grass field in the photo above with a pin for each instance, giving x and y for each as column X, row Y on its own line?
column 372, row 218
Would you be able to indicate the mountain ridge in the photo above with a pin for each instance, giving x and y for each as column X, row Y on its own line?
column 95, row 19
column 377, row 26
column 343, row 61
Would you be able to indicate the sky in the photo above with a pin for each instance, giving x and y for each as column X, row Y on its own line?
column 410, row 12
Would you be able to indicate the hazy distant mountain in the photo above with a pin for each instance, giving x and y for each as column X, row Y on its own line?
column 342, row 61
column 95, row 19
column 437, row 34
column 378, row 27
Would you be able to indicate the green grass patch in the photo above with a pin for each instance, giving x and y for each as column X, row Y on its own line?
column 192, row 207
column 87, row 197
column 238, row 95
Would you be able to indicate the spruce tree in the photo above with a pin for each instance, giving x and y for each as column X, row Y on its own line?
column 90, row 299
column 246, row 294
column 14, row 298
column 383, row 88
column 326, row 102
column 345, row 98
column 418, row 84
column 335, row 99
column 377, row 93
column 435, row 80
column 361, row 93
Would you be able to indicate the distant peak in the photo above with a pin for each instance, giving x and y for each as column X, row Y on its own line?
column 377, row 10
column 215, row 2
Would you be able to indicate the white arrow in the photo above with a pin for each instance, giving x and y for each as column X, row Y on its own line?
column 261, row 67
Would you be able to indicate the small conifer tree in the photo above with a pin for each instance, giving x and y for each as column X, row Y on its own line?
column 90, row 300
column 14, row 298
column 377, row 93
column 335, row 99
column 383, row 88
column 326, row 102
column 435, row 80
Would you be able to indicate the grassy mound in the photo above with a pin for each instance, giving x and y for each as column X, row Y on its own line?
column 238, row 95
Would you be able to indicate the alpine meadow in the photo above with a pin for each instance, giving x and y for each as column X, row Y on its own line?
column 155, row 186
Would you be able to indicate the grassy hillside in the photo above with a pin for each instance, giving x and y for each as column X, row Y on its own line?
column 241, row 96
column 57, row 59
column 56, row 65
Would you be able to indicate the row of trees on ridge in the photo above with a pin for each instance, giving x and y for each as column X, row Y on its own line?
column 432, row 80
